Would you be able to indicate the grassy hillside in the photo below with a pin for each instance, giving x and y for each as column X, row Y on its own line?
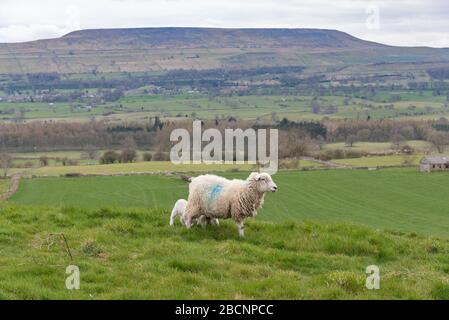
column 160, row 49
column 396, row 199
column 134, row 254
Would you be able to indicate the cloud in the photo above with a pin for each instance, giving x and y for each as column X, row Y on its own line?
column 20, row 33
column 400, row 22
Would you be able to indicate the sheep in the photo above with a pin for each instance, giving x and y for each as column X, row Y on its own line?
column 179, row 209
column 217, row 197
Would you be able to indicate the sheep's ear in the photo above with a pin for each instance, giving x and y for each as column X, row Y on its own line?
column 253, row 175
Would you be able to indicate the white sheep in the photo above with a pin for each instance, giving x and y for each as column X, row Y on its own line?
column 179, row 210
column 220, row 198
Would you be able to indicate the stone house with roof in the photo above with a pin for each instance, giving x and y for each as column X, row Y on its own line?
column 434, row 163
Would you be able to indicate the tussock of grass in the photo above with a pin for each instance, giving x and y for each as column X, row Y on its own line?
column 91, row 248
column 134, row 254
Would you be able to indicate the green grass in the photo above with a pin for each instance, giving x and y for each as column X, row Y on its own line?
column 136, row 106
column 393, row 199
column 376, row 147
column 130, row 168
column 134, row 254
column 4, row 185
column 380, row 161
column 50, row 154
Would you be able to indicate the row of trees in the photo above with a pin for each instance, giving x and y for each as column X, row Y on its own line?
column 294, row 139
column 126, row 156
column 130, row 155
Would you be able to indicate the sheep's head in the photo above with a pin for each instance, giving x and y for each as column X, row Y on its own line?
column 263, row 182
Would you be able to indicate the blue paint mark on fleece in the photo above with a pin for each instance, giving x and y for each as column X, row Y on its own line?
column 215, row 192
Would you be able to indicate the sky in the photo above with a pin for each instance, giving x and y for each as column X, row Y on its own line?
column 394, row 22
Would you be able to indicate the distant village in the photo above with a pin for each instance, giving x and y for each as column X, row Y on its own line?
column 51, row 96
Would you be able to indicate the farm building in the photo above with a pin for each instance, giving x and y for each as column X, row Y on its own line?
column 428, row 164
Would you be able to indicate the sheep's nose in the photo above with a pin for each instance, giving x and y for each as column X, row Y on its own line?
column 275, row 188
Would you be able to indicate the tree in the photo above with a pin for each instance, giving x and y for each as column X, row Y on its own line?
column 128, row 155
column 129, row 143
column 350, row 140
column 110, row 157
column 294, row 144
column 397, row 141
column 69, row 162
column 147, row 156
column 320, row 142
column 43, row 161
column 439, row 139
column 363, row 134
column 315, row 106
column 160, row 156
column 91, row 152
column 5, row 163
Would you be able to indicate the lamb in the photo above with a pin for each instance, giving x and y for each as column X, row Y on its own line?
column 217, row 197
column 179, row 209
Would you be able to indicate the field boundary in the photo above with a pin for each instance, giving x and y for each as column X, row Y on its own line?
column 328, row 164
column 13, row 187
column 179, row 173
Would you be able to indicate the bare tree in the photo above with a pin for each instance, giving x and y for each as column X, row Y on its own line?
column 91, row 152
column 5, row 163
column 397, row 141
column 350, row 140
column 320, row 142
column 129, row 143
column 439, row 139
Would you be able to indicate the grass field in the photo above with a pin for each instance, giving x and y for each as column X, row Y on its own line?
column 134, row 254
column 140, row 107
column 378, row 147
column 393, row 199
column 130, row 168
column 4, row 185
column 380, row 161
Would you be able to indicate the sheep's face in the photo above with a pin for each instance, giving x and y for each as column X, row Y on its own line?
column 264, row 182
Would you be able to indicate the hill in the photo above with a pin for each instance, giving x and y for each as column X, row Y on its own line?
column 134, row 254
column 162, row 49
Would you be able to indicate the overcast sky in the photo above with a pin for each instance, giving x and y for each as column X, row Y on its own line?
column 395, row 22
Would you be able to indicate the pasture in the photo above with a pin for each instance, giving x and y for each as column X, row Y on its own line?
column 392, row 199
column 134, row 254
column 135, row 106
column 132, row 168
column 4, row 185
column 381, row 161
column 379, row 147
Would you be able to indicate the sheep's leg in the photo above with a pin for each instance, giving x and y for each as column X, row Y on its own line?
column 188, row 222
column 173, row 215
column 203, row 221
column 182, row 219
column 189, row 215
column 241, row 227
